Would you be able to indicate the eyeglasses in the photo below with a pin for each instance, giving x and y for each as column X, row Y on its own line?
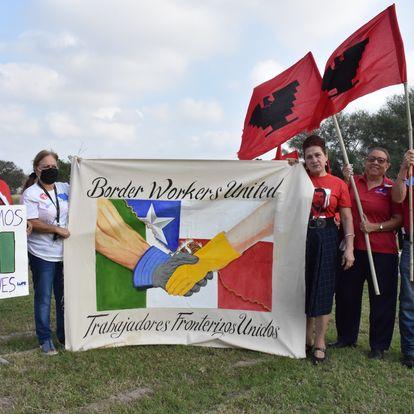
column 379, row 160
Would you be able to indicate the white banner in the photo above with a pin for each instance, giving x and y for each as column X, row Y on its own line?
column 146, row 234
column 13, row 252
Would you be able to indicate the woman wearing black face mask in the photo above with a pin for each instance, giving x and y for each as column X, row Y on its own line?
column 47, row 207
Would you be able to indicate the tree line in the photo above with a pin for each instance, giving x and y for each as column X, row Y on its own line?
column 15, row 177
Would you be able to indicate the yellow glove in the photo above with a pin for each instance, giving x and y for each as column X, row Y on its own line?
column 215, row 255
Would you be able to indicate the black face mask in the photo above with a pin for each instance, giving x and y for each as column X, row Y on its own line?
column 49, row 176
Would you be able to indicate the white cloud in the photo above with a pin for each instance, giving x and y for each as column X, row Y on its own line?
column 114, row 133
column 192, row 28
column 410, row 65
column 200, row 111
column 109, row 126
column 61, row 125
column 18, row 132
column 34, row 41
column 374, row 101
column 16, row 123
column 139, row 113
column 222, row 143
column 160, row 112
column 304, row 25
column 265, row 70
column 129, row 46
column 187, row 111
column 108, row 113
column 27, row 81
column 65, row 41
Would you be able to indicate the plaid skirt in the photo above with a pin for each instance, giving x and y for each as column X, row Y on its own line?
column 321, row 265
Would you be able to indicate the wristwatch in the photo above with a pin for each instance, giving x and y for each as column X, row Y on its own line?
column 381, row 227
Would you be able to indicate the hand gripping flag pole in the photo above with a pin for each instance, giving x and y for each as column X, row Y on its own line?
column 360, row 210
column 410, row 180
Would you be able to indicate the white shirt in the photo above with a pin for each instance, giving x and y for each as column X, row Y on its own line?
column 39, row 206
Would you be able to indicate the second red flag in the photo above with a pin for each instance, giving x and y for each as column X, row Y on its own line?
column 370, row 59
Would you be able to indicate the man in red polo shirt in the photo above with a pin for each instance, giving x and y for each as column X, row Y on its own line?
column 400, row 194
column 5, row 196
column 383, row 218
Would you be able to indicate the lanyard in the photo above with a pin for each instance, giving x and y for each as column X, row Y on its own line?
column 56, row 204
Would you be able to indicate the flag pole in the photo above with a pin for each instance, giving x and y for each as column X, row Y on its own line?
column 410, row 179
column 359, row 205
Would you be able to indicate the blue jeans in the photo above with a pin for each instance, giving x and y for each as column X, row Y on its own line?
column 406, row 303
column 47, row 275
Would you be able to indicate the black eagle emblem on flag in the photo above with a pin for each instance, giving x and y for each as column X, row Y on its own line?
column 274, row 112
column 344, row 71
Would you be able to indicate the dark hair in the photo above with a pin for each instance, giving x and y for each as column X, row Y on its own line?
column 382, row 149
column 37, row 159
column 313, row 141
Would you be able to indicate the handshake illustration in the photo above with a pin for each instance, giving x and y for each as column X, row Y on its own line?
column 178, row 273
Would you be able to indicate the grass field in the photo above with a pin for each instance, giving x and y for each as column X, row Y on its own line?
column 178, row 379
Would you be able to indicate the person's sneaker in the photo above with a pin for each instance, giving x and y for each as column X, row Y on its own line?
column 376, row 354
column 48, row 348
column 408, row 361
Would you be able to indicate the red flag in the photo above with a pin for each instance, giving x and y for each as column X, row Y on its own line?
column 370, row 59
column 279, row 154
column 280, row 108
column 5, row 196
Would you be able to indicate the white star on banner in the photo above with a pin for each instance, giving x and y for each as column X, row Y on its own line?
column 156, row 224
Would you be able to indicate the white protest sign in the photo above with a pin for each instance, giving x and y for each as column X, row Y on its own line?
column 13, row 252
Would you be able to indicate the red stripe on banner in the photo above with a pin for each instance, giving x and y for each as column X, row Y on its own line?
column 246, row 283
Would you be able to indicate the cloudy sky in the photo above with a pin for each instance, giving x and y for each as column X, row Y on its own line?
column 159, row 78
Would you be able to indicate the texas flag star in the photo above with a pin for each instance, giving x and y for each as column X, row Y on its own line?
column 156, row 224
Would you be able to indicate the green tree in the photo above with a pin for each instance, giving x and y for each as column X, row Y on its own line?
column 64, row 170
column 12, row 175
column 361, row 130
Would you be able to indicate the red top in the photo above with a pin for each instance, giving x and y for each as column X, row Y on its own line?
column 331, row 193
column 378, row 207
column 5, row 192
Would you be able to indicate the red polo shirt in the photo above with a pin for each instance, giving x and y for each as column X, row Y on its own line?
column 5, row 191
column 378, row 207
column 331, row 193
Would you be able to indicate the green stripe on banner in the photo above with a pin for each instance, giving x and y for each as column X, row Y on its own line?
column 114, row 289
column 7, row 252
